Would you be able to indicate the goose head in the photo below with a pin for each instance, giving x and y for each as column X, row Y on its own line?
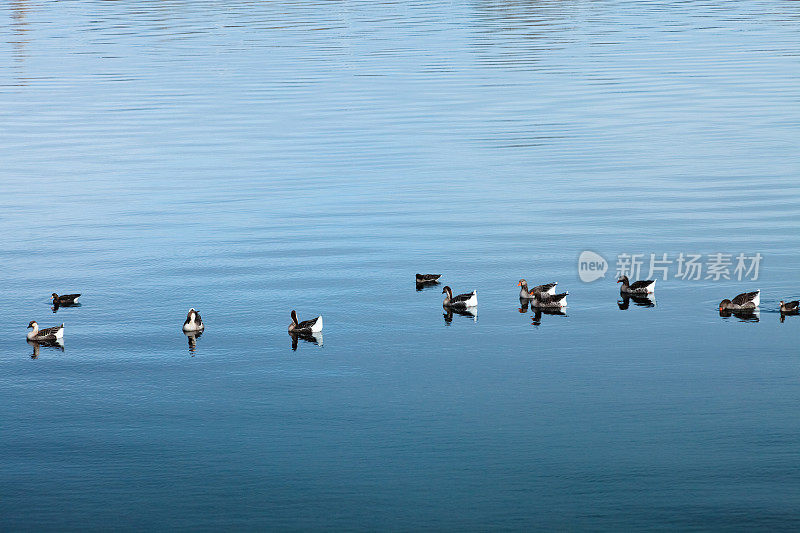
column 33, row 324
column 522, row 283
column 54, row 297
column 723, row 305
column 623, row 280
column 448, row 291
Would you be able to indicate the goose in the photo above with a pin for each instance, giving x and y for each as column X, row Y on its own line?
column 461, row 301
column 428, row 278
column 646, row 286
column 544, row 299
column 306, row 326
column 746, row 300
column 193, row 321
column 790, row 307
column 65, row 299
column 46, row 334
column 525, row 294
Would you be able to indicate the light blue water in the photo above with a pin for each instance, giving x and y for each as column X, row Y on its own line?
column 248, row 158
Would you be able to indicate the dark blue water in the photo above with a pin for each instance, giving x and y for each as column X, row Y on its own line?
column 249, row 158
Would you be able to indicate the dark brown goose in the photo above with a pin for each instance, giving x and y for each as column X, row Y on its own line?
column 746, row 300
column 428, row 278
column 46, row 334
column 65, row 299
column 459, row 301
column 642, row 287
column 526, row 294
column 306, row 326
column 790, row 307
column 544, row 299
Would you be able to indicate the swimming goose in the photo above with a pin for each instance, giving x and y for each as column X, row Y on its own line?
column 460, row 301
column 65, row 299
column 46, row 334
column 544, row 299
column 428, row 278
column 746, row 300
column 525, row 294
column 646, row 286
column 193, row 321
column 790, row 307
column 306, row 326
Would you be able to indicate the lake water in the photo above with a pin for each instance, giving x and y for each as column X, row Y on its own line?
column 249, row 158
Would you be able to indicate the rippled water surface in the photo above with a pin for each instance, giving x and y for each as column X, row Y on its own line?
column 248, row 158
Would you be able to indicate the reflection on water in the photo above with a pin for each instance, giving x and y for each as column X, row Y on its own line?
column 55, row 307
column 191, row 337
column 790, row 313
column 744, row 315
column 37, row 345
column 539, row 312
column 469, row 312
column 314, row 338
column 421, row 286
column 638, row 300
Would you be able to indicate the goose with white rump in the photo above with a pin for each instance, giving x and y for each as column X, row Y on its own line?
column 460, row 301
column 65, row 299
column 193, row 321
column 46, row 334
column 744, row 301
column 643, row 287
column 525, row 294
column 306, row 326
column 427, row 278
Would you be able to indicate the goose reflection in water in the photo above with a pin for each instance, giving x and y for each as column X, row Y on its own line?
column 192, row 337
column 37, row 345
column 56, row 306
column 744, row 315
column 469, row 312
column 639, row 301
column 539, row 311
column 421, row 286
column 314, row 338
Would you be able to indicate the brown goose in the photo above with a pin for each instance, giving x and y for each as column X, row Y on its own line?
column 428, row 278
column 460, row 301
column 544, row 299
column 525, row 294
column 193, row 321
column 746, row 300
column 306, row 326
column 65, row 299
column 46, row 334
column 646, row 286
column 790, row 307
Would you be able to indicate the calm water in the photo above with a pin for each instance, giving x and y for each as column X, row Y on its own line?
column 247, row 158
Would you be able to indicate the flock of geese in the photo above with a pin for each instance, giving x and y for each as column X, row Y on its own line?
column 540, row 297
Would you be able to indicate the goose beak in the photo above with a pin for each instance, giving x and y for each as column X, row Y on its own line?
column 518, row 284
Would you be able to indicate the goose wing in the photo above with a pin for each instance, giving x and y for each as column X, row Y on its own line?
column 641, row 284
column 68, row 297
column 745, row 297
column 306, row 324
column 46, row 332
column 544, row 288
column 197, row 317
column 462, row 297
column 428, row 277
